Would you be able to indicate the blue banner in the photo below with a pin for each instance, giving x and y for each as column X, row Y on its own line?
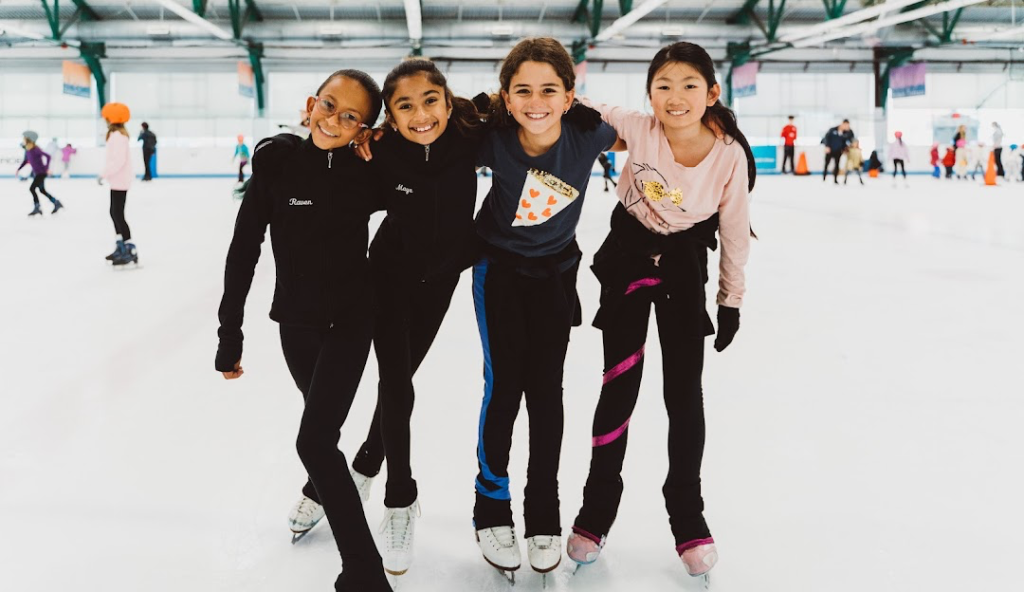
column 765, row 157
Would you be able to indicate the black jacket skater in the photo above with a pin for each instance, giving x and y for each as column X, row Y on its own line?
column 430, row 196
column 317, row 204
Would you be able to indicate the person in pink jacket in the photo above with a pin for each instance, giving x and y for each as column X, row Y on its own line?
column 688, row 176
column 118, row 173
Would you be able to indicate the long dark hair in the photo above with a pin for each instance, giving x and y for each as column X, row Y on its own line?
column 464, row 113
column 368, row 83
column 717, row 117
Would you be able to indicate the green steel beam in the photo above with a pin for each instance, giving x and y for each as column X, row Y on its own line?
column 199, row 7
column 581, row 14
column 87, row 12
column 239, row 18
column 579, row 51
column 595, row 17
column 775, row 16
column 92, row 53
column 625, row 6
column 949, row 24
column 742, row 16
column 53, row 18
column 834, row 8
column 256, row 60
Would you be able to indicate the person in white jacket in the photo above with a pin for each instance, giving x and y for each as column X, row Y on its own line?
column 119, row 174
column 899, row 154
column 977, row 159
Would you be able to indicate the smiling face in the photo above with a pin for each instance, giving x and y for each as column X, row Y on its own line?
column 680, row 95
column 537, row 98
column 419, row 109
column 349, row 100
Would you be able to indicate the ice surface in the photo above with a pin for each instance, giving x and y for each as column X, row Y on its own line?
column 864, row 430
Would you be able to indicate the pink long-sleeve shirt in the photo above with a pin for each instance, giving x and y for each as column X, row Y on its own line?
column 668, row 197
column 118, row 170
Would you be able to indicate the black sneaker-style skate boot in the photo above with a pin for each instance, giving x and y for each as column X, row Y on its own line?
column 36, row 211
column 128, row 255
column 56, row 206
column 117, row 251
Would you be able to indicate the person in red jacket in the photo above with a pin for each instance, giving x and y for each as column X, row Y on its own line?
column 789, row 145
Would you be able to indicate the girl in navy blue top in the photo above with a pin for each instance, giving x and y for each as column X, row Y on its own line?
column 542, row 151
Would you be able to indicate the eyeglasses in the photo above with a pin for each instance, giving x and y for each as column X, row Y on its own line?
column 329, row 109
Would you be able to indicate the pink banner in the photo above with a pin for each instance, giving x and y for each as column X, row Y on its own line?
column 744, row 80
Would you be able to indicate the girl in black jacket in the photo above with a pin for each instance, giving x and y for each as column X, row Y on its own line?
column 425, row 166
column 316, row 196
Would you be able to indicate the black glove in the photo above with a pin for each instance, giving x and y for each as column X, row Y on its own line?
column 728, row 325
column 228, row 355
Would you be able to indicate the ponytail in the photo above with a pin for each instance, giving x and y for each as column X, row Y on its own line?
column 722, row 119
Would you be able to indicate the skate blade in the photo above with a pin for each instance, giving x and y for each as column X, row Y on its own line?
column 127, row 266
column 298, row 536
column 392, row 579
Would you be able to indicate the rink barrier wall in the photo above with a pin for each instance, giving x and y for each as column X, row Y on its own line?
column 214, row 162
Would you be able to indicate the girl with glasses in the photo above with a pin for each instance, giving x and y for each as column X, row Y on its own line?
column 316, row 196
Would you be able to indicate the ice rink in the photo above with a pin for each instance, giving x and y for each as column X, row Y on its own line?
column 864, row 430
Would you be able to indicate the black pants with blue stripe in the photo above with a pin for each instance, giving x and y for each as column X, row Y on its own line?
column 524, row 324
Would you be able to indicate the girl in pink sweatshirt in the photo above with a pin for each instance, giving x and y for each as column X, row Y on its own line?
column 118, row 173
column 688, row 175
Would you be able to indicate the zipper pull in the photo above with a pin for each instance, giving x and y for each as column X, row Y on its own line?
column 330, row 155
column 426, row 150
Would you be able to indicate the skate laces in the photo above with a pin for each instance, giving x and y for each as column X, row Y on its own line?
column 307, row 508
column 397, row 526
column 543, row 542
column 504, row 535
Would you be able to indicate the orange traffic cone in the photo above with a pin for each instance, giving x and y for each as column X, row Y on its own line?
column 801, row 165
column 990, row 172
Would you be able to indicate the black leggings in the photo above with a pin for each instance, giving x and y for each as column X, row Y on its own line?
column 241, row 169
column 897, row 164
column 998, row 152
column 117, row 202
column 409, row 314
column 327, row 365
column 39, row 182
column 524, row 327
column 828, row 158
column 625, row 336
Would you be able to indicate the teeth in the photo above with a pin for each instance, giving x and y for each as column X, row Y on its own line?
column 325, row 132
column 678, row 112
column 423, row 129
column 536, row 115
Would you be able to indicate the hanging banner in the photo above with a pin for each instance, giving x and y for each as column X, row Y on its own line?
column 77, row 79
column 246, row 84
column 907, row 81
column 581, row 78
column 744, row 80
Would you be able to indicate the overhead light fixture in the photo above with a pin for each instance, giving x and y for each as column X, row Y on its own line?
column 629, row 19
column 195, row 19
column 502, row 30
column 672, row 31
column 158, row 30
column 850, row 19
column 331, row 31
column 872, row 26
column 414, row 17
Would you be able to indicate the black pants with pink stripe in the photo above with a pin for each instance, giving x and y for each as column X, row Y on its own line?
column 625, row 337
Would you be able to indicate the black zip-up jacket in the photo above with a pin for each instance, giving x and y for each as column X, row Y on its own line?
column 317, row 204
column 625, row 256
column 837, row 141
column 430, row 196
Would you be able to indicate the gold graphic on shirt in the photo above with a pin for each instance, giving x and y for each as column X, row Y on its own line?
column 655, row 192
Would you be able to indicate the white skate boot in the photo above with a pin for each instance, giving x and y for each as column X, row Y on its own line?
column 545, row 552
column 304, row 517
column 501, row 549
column 363, row 484
column 399, row 527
